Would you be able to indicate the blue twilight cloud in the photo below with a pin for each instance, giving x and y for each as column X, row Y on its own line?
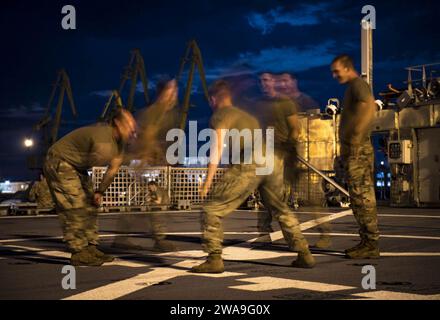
column 290, row 58
column 305, row 15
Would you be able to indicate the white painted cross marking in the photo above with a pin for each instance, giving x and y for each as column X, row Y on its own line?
column 390, row 295
column 271, row 283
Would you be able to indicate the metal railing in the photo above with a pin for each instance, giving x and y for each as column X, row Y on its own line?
column 129, row 187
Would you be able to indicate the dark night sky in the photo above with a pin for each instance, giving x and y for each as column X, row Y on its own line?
column 300, row 36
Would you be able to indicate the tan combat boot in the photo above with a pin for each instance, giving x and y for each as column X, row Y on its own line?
column 356, row 247
column 324, row 242
column 305, row 260
column 85, row 258
column 105, row 257
column 213, row 264
column 367, row 249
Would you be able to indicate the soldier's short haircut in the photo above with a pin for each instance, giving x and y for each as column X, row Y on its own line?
column 265, row 72
column 152, row 183
column 220, row 88
column 120, row 114
column 345, row 60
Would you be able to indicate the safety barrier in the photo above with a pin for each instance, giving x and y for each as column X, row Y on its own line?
column 129, row 188
column 307, row 189
column 186, row 182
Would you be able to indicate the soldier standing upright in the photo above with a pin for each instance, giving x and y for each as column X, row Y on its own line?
column 358, row 155
column 71, row 187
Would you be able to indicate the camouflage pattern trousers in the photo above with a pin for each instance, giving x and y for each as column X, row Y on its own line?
column 359, row 170
column 72, row 192
column 40, row 193
column 265, row 218
column 238, row 182
column 290, row 173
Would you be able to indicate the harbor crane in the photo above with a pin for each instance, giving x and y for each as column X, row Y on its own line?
column 48, row 125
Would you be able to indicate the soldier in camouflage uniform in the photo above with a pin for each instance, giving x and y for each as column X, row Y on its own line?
column 159, row 200
column 41, row 195
column 154, row 122
column 280, row 113
column 358, row 155
column 71, row 187
column 262, row 105
column 276, row 109
column 238, row 182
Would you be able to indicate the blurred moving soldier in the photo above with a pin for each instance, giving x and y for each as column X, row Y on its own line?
column 281, row 113
column 278, row 108
column 237, row 184
column 358, row 155
column 267, row 83
column 268, row 96
column 71, row 187
column 40, row 193
column 287, row 85
column 158, row 198
column 154, row 123
column 150, row 147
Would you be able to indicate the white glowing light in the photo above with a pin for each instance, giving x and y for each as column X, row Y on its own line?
column 28, row 142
